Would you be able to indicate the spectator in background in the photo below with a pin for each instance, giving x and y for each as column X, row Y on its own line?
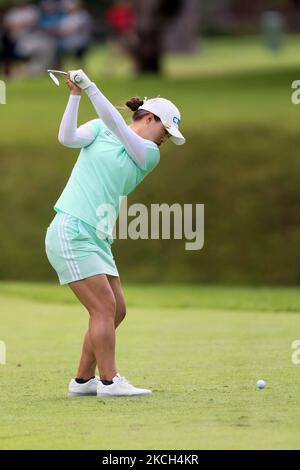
column 24, row 41
column 18, row 22
column 75, row 29
column 120, row 19
column 51, row 16
column 273, row 30
column 39, row 37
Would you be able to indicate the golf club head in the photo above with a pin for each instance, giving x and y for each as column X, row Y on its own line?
column 53, row 77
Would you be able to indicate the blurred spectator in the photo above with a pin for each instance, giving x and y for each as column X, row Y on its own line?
column 120, row 19
column 23, row 40
column 39, row 37
column 75, row 29
column 273, row 29
column 51, row 16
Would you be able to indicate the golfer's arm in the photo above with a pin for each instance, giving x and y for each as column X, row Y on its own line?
column 69, row 135
column 134, row 144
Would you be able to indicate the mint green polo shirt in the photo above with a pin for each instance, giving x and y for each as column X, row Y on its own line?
column 103, row 172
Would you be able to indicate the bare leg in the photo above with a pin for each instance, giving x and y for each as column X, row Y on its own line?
column 103, row 339
column 96, row 294
column 87, row 363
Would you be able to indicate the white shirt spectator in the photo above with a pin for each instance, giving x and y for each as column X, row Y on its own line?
column 21, row 19
column 76, row 30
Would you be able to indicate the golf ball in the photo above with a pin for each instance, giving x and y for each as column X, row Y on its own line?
column 261, row 384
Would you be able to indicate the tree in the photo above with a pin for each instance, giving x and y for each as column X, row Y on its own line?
column 152, row 17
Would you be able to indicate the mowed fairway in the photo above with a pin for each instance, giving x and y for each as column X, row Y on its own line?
column 201, row 359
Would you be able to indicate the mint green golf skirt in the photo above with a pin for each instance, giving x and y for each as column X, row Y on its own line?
column 75, row 251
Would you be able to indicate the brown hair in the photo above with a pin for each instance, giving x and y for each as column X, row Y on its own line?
column 133, row 104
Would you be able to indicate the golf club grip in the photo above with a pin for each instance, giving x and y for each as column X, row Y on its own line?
column 77, row 78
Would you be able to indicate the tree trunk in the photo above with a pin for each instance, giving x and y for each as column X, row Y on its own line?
column 152, row 17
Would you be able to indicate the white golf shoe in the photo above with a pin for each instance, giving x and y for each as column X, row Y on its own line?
column 88, row 388
column 120, row 388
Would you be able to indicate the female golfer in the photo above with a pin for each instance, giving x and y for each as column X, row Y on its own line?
column 114, row 159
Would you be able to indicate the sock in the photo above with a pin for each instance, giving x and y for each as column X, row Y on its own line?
column 107, row 382
column 83, row 381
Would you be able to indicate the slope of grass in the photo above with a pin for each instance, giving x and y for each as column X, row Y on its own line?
column 241, row 160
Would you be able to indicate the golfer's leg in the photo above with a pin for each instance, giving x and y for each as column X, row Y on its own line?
column 115, row 284
column 97, row 296
column 87, row 363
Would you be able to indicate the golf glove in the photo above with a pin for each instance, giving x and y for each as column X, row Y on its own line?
column 80, row 79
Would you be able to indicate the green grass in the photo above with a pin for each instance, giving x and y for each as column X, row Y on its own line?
column 201, row 350
column 212, row 57
column 186, row 296
column 223, row 56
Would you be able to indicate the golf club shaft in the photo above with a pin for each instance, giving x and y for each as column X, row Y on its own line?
column 58, row 71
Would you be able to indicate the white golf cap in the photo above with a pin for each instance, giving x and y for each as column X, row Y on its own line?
column 168, row 114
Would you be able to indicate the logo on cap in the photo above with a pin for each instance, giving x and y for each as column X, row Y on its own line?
column 176, row 120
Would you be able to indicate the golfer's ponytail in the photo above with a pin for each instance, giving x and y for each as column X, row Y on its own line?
column 134, row 104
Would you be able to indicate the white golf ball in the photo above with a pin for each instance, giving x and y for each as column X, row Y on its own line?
column 261, row 384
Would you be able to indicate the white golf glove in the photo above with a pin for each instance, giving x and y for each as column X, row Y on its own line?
column 80, row 79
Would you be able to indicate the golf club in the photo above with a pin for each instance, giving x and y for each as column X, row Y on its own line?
column 53, row 77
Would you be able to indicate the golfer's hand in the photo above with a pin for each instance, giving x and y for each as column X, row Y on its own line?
column 80, row 79
column 75, row 90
